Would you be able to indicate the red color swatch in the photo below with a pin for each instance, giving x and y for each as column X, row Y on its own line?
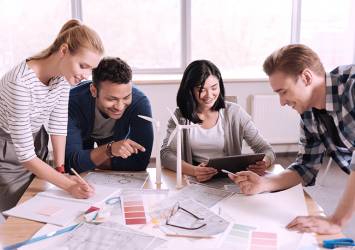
column 134, row 212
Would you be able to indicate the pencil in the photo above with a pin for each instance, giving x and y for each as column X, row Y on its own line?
column 228, row 172
column 81, row 179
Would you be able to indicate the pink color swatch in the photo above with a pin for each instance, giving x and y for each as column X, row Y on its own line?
column 133, row 208
column 263, row 241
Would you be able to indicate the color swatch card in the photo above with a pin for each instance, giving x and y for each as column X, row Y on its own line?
column 269, row 212
column 263, row 241
column 238, row 237
column 244, row 237
column 133, row 210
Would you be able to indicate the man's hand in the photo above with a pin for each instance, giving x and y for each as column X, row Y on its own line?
column 259, row 167
column 248, row 182
column 204, row 173
column 125, row 148
column 314, row 224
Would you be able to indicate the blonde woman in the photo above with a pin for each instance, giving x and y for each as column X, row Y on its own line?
column 34, row 94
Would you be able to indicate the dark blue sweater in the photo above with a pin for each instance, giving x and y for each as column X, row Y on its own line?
column 81, row 120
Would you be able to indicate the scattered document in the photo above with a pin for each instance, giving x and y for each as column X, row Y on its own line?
column 190, row 219
column 101, row 194
column 118, row 180
column 205, row 195
column 59, row 212
column 308, row 242
column 57, row 207
column 217, row 182
column 270, row 212
column 197, row 211
column 110, row 236
column 232, row 188
column 106, row 236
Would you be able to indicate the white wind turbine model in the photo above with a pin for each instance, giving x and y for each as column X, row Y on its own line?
column 156, row 125
column 177, row 132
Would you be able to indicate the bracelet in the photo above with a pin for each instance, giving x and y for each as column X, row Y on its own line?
column 109, row 150
column 60, row 169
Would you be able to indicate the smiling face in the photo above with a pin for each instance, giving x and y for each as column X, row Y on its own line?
column 112, row 99
column 209, row 93
column 296, row 93
column 78, row 66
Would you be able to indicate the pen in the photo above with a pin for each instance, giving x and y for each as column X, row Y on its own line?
column 129, row 131
column 342, row 242
column 80, row 178
column 228, row 172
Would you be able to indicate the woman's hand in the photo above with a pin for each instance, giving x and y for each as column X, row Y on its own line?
column 79, row 189
column 204, row 173
column 259, row 167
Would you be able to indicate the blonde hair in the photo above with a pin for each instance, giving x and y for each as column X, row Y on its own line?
column 76, row 35
column 292, row 60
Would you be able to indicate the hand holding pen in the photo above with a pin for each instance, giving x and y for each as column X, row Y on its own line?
column 81, row 189
column 248, row 182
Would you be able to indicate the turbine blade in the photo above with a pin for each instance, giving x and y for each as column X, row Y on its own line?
column 172, row 135
column 147, row 118
column 173, row 116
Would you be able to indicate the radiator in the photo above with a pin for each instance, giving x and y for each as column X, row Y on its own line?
column 277, row 124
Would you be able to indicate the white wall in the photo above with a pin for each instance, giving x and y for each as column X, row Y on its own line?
column 164, row 95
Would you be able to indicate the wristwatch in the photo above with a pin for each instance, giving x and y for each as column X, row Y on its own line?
column 109, row 149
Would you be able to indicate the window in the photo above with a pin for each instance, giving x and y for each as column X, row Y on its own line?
column 147, row 34
column 28, row 27
column 164, row 36
column 330, row 32
column 238, row 35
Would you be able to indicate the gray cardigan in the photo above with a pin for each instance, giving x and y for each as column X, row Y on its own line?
column 237, row 125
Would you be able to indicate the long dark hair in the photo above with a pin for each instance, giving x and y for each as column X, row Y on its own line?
column 195, row 75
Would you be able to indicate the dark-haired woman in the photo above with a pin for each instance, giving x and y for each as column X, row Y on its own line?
column 223, row 125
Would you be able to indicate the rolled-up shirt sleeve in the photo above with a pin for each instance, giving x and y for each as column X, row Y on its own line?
column 309, row 158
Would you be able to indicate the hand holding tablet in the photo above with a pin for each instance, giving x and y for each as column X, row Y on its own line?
column 235, row 163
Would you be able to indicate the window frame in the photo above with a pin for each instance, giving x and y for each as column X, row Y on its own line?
column 185, row 14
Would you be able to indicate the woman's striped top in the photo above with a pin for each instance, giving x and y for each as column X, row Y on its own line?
column 26, row 104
